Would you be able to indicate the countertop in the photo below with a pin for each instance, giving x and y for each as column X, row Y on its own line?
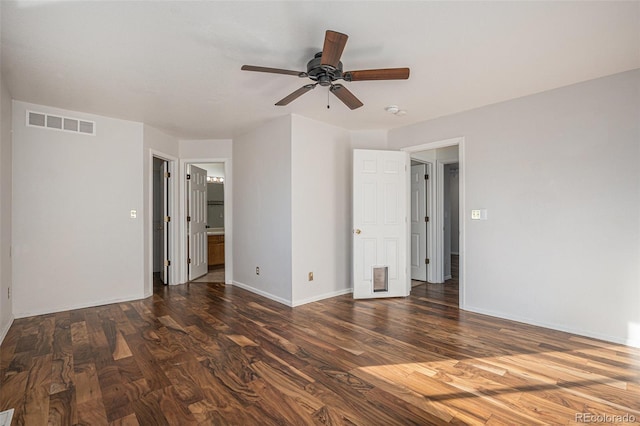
column 215, row 231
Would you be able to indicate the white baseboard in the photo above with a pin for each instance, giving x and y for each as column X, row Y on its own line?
column 322, row 297
column 557, row 327
column 5, row 329
column 290, row 303
column 262, row 293
column 78, row 306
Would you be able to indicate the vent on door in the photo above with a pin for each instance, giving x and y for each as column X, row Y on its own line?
column 56, row 122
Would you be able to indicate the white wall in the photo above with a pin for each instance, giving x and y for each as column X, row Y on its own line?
column 321, row 210
column 74, row 243
column 262, row 210
column 209, row 148
column 6, row 310
column 369, row 139
column 559, row 174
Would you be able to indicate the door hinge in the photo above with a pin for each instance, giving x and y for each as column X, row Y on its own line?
column 426, row 261
column 426, row 218
column 188, row 176
column 189, row 261
column 167, row 174
column 426, row 177
column 188, row 218
column 167, row 218
column 167, row 263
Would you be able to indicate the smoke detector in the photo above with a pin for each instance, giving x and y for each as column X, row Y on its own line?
column 395, row 110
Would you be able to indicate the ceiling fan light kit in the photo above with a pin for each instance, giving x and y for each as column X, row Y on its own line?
column 325, row 69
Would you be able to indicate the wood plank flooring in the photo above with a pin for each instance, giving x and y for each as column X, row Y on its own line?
column 206, row 353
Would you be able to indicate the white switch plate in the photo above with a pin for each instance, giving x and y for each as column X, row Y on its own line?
column 479, row 214
column 134, row 214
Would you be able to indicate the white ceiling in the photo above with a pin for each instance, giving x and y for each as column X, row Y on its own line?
column 176, row 65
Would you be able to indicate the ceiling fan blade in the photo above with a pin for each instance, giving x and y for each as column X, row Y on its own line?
column 334, row 43
column 295, row 95
column 273, row 70
column 380, row 74
column 346, row 96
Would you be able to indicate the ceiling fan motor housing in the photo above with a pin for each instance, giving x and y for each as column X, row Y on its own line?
column 323, row 74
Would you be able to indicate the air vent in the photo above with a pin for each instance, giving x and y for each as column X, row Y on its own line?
column 36, row 119
column 56, row 122
column 70, row 124
column 87, row 127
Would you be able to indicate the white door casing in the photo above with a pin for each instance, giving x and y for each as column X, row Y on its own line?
column 380, row 225
column 418, row 222
column 197, row 222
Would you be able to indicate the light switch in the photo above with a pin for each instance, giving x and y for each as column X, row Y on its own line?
column 134, row 214
column 479, row 214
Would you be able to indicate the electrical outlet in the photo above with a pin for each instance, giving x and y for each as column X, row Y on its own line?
column 257, row 270
column 310, row 276
column 8, row 292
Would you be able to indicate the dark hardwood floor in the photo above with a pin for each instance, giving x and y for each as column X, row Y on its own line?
column 214, row 354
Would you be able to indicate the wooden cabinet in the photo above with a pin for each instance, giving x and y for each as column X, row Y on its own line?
column 216, row 250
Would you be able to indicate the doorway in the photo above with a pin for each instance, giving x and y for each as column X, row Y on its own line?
column 214, row 243
column 160, row 220
column 449, row 153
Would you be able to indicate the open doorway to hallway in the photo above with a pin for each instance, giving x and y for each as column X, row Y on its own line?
column 441, row 220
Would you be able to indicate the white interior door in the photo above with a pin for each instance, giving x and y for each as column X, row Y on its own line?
column 419, row 222
column 197, row 222
column 380, row 227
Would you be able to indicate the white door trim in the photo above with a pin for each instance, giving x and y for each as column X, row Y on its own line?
column 181, row 268
column 460, row 142
column 173, row 232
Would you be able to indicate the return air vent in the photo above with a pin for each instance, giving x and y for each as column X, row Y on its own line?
column 56, row 122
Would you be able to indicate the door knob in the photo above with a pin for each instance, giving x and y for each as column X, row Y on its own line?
column 357, row 231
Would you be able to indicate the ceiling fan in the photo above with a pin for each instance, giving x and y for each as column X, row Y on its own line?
column 325, row 68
